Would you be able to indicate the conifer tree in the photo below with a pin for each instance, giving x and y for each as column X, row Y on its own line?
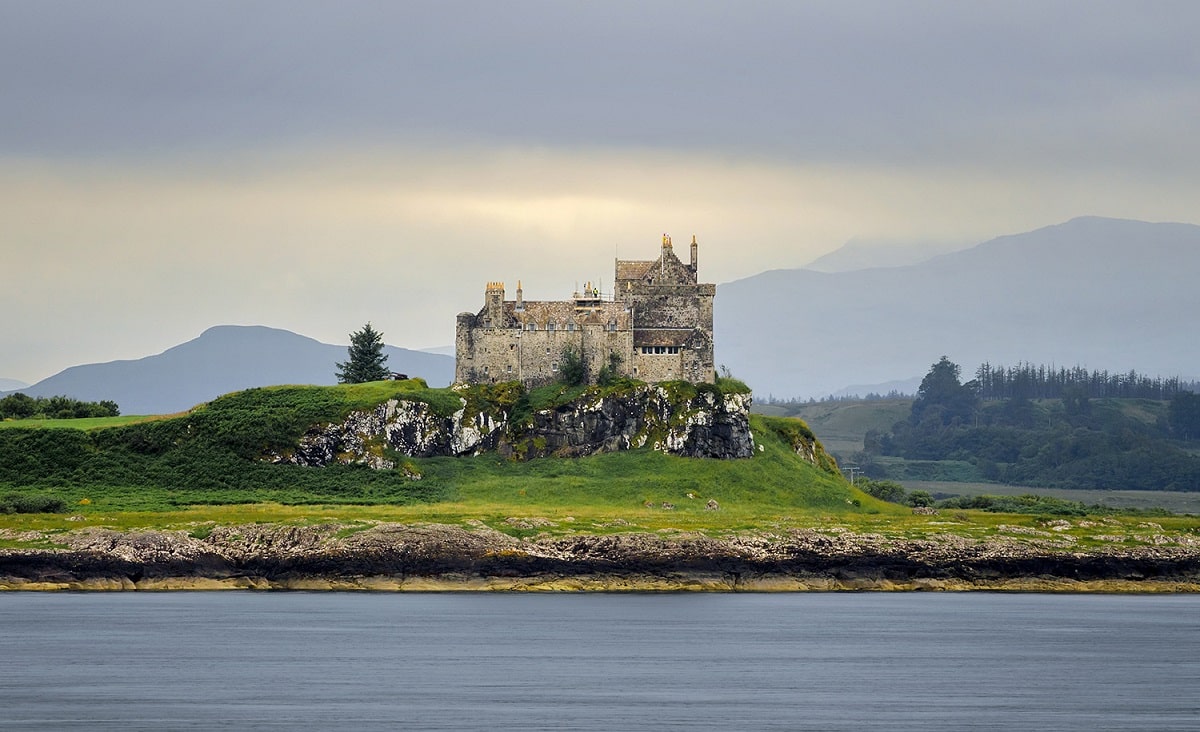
column 367, row 359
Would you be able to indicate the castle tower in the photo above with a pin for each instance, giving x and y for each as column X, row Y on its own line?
column 695, row 247
column 494, row 298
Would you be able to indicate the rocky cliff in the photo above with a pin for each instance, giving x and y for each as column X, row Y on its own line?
column 703, row 424
column 384, row 556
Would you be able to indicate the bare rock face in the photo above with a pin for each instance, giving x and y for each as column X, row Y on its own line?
column 410, row 428
column 705, row 425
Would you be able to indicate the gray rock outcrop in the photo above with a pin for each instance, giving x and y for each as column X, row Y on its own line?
column 707, row 425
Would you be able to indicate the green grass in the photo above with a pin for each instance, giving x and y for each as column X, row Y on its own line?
column 212, row 456
column 1174, row 501
column 85, row 423
column 774, row 480
column 842, row 425
column 195, row 470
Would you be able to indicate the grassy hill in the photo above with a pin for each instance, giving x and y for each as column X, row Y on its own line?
column 211, row 457
column 843, row 424
column 197, row 471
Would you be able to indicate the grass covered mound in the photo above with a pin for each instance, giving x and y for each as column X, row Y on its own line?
column 210, row 456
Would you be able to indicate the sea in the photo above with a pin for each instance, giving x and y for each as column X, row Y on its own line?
column 594, row 661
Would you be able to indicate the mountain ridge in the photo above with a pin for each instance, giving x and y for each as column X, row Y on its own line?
column 223, row 358
column 1108, row 293
column 1098, row 292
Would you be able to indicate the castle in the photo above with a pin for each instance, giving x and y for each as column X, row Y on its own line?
column 658, row 323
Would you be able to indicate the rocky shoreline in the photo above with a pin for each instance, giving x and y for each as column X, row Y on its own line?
column 431, row 557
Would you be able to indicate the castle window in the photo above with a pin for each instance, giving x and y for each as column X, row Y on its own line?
column 550, row 326
column 612, row 327
column 485, row 370
column 547, row 349
column 554, row 366
column 509, row 369
column 531, row 326
column 570, row 326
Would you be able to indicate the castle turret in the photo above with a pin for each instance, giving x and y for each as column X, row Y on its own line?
column 495, row 304
column 694, row 249
column 520, row 297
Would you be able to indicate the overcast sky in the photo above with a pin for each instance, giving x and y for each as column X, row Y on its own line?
column 169, row 166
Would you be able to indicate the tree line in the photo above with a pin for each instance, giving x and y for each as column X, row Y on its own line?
column 1027, row 381
column 1068, row 443
column 23, row 406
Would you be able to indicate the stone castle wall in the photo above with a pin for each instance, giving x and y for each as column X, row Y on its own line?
column 533, row 357
column 659, row 325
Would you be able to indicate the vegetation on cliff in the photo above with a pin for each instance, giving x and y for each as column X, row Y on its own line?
column 212, row 455
column 189, row 501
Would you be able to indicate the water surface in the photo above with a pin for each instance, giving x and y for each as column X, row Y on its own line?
column 241, row 660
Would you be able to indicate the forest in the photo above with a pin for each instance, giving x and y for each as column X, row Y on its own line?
column 1050, row 428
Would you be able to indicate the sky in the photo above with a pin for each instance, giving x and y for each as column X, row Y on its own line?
column 169, row 166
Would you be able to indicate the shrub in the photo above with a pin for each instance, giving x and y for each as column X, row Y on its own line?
column 571, row 369
column 884, row 490
column 24, row 503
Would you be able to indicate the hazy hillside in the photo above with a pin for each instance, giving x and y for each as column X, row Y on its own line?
column 866, row 254
column 11, row 385
column 1104, row 293
column 223, row 359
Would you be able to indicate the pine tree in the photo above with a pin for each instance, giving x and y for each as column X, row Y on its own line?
column 367, row 359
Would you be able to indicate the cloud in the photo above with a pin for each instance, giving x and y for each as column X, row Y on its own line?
column 167, row 167
column 1079, row 84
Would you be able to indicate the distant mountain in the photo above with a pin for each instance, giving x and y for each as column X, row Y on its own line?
column 871, row 253
column 1102, row 293
column 11, row 385
column 223, row 359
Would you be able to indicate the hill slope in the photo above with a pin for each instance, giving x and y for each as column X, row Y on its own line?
column 222, row 359
column 245, row 448
column 1102, row 292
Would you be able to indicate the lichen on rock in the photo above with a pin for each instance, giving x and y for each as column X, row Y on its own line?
column 703, row 424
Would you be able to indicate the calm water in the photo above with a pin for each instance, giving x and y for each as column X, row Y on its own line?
column 599, row 662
